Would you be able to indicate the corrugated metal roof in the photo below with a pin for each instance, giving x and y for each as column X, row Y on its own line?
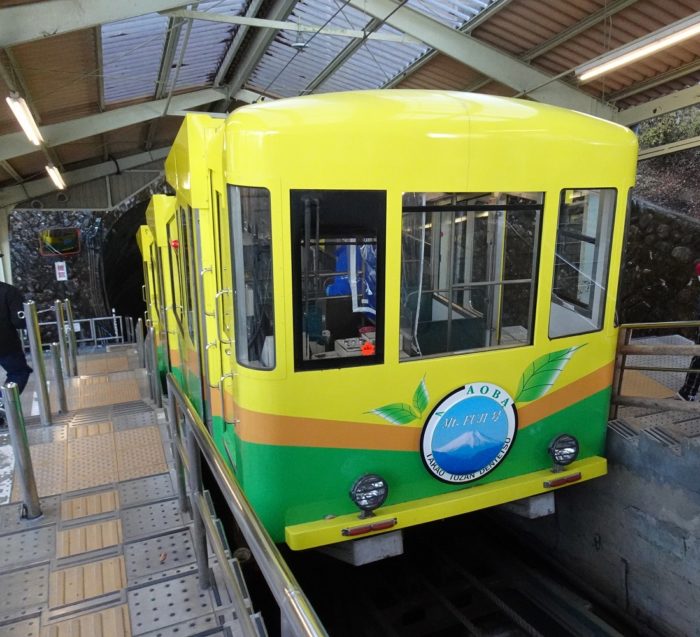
column 62, row 75
column 286, row 70
column 132, row 51
column 206, row 45
column 131, row 55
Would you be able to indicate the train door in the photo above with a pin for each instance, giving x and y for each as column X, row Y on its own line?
column 190, row 310
column 205, row 284
column 176, row 331
column 223, row 309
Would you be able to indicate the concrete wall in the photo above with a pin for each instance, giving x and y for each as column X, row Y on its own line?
column 634, row 535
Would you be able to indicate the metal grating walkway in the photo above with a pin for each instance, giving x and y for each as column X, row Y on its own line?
column 112, row 554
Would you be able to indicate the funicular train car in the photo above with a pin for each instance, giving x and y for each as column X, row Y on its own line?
column 163, row 280
column 398, row 306
column 153, row 292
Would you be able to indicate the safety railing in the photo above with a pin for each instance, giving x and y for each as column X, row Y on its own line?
column 192, row 442
column 626, row 348
column 98, row 330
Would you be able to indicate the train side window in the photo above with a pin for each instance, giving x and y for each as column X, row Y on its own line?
column 251, row 249
column 581, row 261
column 468, row 271
column 338, row 247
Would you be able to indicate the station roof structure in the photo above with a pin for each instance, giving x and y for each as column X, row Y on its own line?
column 107, row 82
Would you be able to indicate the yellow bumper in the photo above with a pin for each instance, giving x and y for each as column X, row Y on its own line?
column 398, row 516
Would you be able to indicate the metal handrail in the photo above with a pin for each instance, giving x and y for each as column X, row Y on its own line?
column 295, row 606
column 625, row 349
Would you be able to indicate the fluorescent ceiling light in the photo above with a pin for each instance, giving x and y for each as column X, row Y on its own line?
column 24, row 117
column 56, row 177
column 656, row 41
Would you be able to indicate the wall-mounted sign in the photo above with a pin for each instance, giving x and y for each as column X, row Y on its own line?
column 469, row 433
column 57, row 242
column 61, row 271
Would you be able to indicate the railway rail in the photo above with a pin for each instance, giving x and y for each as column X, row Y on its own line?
column 455, row 578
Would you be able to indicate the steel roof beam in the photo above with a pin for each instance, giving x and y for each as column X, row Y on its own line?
column 236, row 43
column 15, row 80
column 577, row 28
column 7, row 167
column 252, row 55
column 521, row 77
column 282, row 25
column 29, row 189
column 341, row 58
column 16, row 144
column 667, row 104
column 467, row 27
column 673, row 147
column 657, row 80
column 29, row 22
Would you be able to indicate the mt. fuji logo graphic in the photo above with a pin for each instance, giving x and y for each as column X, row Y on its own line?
column 469, row 433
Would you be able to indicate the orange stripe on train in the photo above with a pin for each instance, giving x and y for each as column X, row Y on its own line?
column 270, row 429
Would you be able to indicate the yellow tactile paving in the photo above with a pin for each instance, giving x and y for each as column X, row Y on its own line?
column 139, row 453
column 635, row 383
column 91, row 537
column 91, row 462
column 94, row 429
column 112, row 622
column 103, row 365
column 110, row 393
column 49, row 463
column 75, row 584
column 93, row 504
column 137, row 437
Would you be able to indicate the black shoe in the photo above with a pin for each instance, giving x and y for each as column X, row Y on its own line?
column 684, row 395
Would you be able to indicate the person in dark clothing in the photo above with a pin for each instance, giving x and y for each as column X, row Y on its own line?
column 691, row 385
column 12, row 358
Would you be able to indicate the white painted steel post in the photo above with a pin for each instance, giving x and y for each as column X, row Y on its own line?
column 61, row 327
column 176, row 438
column 130, row 328
column 34, row 336
column 199, row 532
column 139, row 342
column 58, row 379
column 155, row 374
column 115, row 323
column 71, row 335
column 31, row 507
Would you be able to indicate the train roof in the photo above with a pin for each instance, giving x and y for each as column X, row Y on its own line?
column 452, row 109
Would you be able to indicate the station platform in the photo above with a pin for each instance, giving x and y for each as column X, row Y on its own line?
column 666, row 426
column 112, row 554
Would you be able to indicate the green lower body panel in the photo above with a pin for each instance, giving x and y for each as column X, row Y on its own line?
column 294, row 485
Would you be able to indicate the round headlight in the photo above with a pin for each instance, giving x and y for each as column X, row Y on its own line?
column 563, row 450
column 368, row 493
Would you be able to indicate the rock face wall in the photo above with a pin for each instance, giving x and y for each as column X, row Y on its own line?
column 658, row 281
column 35, row 274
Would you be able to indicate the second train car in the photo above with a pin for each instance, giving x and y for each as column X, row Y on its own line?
column 391, row 307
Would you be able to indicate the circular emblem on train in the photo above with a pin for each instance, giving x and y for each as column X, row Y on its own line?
column 469, row 433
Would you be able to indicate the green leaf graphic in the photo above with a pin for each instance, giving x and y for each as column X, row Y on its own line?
column 420, row 397
column 542, row 373
column 397, row 413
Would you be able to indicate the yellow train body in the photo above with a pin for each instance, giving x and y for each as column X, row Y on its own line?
column 415, row 285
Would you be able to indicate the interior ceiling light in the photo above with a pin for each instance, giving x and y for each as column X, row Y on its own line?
column 56, row 177
column 656, row 41
column 24, row 117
